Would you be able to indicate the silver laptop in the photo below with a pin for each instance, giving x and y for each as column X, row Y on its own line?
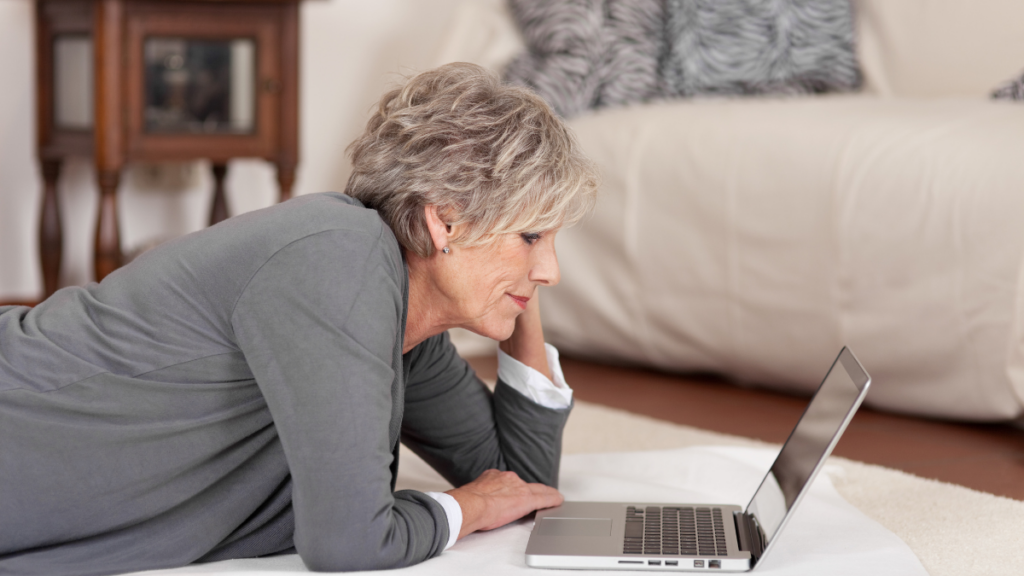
column 694, row 537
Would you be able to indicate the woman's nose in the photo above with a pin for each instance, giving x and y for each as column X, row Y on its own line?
column 545, row 269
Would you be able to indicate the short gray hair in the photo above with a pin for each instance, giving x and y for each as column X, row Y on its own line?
column 489, row 155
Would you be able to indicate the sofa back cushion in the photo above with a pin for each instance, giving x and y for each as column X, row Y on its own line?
column 939, row 48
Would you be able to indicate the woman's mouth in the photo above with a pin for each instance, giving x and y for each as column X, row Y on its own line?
column 520, row 300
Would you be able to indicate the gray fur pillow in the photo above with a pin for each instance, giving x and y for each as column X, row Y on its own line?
column 564, row 49
column 1012, row 90
column 585, row 54
column 634, row 45
column 759, row 47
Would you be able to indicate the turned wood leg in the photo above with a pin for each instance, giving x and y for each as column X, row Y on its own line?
column 51, row 237
column 108, row 237
column 285, row 180
column 219, row 210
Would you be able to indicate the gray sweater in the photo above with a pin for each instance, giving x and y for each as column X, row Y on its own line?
column 239, row 392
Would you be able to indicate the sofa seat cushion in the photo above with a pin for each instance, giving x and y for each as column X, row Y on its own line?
column 755, row 238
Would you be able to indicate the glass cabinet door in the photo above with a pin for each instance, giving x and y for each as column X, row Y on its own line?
column 203, row 80
column 199, row 86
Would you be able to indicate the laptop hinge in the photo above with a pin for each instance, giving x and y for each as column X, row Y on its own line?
column 750, row 535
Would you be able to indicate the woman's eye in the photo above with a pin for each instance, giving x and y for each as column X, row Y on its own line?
column 530, row 238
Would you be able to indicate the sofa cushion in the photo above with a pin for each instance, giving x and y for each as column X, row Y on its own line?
column 755, row 238
column 760, row 46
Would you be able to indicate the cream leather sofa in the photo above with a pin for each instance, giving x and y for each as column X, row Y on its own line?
column 755, row 237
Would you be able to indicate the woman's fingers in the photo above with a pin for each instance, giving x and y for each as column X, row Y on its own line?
column 496, row 498
column 526, row 344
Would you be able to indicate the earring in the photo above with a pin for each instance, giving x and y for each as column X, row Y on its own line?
column 446, row 250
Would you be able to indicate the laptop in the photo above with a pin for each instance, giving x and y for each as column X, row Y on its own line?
column 697, row 537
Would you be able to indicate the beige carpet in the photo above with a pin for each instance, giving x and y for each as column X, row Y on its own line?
column 952, row 529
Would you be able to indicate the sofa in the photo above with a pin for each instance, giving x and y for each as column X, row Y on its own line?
column 752, row 237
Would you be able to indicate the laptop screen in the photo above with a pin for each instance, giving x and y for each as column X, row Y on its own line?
column 810, row 443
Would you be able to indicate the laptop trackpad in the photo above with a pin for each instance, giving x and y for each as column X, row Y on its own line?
column 575, row 527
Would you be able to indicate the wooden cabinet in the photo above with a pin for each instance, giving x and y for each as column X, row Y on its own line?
column 161, row 80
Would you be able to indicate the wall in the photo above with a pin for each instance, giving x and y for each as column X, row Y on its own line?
column 351, row 51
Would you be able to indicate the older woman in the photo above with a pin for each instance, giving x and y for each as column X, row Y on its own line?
column 242, row 391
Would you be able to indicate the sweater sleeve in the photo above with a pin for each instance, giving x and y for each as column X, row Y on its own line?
column 457, row 426
column 318, row 324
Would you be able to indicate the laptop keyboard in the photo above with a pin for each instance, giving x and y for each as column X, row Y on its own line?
column 674, row 530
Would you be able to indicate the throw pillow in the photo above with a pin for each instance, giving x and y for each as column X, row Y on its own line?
column 565, row 46
column 590, row 53
column 759, row 47
column 634, row 45
column 1011, row 90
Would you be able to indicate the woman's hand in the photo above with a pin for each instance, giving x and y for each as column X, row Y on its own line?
column 527, row 341
column 496, row 498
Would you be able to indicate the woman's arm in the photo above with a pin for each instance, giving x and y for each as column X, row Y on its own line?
column 527, row 341
column 461, row 429
column 470, row 436
column 496, row 498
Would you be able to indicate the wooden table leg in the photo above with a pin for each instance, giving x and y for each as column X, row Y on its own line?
column 108, row 237
column 51, row 237
column 219, row 210
column 285, row 180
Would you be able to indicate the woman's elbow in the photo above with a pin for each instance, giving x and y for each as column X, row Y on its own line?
column 350, row 561
column 348, row 554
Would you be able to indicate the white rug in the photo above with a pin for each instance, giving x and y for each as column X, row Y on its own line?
column 951, row 529
column 954, row 531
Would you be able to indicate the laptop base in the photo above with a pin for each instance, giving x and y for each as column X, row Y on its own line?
column 592, row 535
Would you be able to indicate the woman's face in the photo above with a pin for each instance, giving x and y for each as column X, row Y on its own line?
column 490, row 285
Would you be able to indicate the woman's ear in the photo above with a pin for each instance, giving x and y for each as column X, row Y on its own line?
column 440, row 231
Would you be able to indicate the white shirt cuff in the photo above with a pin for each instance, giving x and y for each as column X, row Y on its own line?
column 533, row 384
column 454, row 513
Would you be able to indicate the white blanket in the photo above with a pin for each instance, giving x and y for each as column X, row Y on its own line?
column 827, row 535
